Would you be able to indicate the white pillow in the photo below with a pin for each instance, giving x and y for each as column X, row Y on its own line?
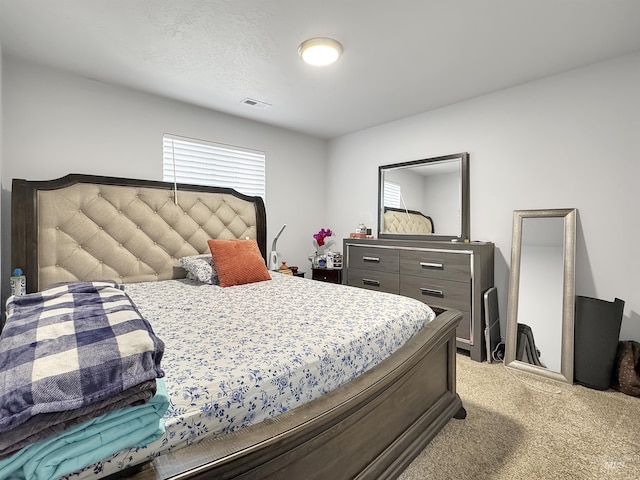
column 201, row 268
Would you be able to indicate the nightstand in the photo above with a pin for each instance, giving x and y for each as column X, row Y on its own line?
column 329, row 275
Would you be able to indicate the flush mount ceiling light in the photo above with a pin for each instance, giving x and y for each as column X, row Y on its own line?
column 320, row 51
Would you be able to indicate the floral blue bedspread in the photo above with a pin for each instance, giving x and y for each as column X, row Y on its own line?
column 235, row 356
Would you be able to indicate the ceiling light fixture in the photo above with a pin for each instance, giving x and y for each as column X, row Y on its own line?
column 320, row 51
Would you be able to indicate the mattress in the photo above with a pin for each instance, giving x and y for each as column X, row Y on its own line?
column 235, row 356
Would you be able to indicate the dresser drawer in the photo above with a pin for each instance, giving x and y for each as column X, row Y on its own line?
column 463, row 332
column 373, row 280
column 379, row 259
column 443, row 293
column 440, row 265
column 329, row 275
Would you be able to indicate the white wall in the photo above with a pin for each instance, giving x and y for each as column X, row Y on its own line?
column 441, row 200
column 2, row 277
column 567, row 141
column 56, row 123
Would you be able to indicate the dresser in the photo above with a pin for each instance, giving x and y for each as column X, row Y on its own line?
column 440, row 274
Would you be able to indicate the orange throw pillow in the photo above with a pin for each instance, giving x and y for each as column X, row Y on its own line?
column 238, row 262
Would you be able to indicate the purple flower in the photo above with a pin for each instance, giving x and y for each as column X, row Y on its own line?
column 321, row 235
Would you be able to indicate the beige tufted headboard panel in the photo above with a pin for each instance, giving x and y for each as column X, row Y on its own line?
column 102, row 228
column 407, row 222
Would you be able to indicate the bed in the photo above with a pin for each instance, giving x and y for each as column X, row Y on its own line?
column 133, row 232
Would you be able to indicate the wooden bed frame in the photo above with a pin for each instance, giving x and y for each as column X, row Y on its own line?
column 372, row 427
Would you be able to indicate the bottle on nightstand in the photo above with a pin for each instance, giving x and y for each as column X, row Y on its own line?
column 329, row 260
column 18, row 283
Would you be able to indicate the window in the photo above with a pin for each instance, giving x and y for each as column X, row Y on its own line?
column 392, row 195
column 186, row 160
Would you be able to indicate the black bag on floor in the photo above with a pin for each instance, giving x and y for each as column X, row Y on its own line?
column 597, row 332
column 626, row 372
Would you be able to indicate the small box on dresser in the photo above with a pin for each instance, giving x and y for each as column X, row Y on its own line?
column 441, row 274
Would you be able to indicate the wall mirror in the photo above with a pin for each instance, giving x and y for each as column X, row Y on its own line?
column 425, row 199
column 541, row 300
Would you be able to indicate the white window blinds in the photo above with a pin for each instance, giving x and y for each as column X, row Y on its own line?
column 199, row 162
column 392, row 195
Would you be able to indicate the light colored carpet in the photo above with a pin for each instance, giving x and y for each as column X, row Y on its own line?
column 519, row 426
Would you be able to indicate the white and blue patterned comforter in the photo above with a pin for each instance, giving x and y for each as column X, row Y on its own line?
column 237, row 355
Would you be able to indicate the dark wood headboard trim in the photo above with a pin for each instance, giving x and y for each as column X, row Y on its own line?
column 24, row 252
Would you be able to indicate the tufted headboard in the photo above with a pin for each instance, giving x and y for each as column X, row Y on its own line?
column 398, row 220
column 83, row 227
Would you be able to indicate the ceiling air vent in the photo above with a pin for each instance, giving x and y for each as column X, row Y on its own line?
column 256, row 103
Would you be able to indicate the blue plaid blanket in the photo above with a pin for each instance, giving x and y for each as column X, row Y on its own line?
column 71, row 346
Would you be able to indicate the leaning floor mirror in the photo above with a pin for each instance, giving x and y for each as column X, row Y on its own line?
column 541, row 300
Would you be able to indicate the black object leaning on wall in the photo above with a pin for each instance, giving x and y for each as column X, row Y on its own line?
column 597, row 329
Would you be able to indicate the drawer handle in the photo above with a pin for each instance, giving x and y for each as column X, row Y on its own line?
column 431, row 292
column 371, row 259
column 368, row 281
column 439, row 266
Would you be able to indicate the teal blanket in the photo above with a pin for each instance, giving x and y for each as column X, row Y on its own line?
column 90, row 442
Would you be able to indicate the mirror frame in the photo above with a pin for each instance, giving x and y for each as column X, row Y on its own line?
column 464, row 198
column 568, row 294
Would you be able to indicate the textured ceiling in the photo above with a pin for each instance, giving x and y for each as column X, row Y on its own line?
column 401, row 57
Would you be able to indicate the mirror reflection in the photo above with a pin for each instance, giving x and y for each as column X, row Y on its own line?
column 541, row 293
column 541, row 276
column 424, row 198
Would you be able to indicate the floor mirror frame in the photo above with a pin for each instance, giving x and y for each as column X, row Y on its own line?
column 568, row 295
